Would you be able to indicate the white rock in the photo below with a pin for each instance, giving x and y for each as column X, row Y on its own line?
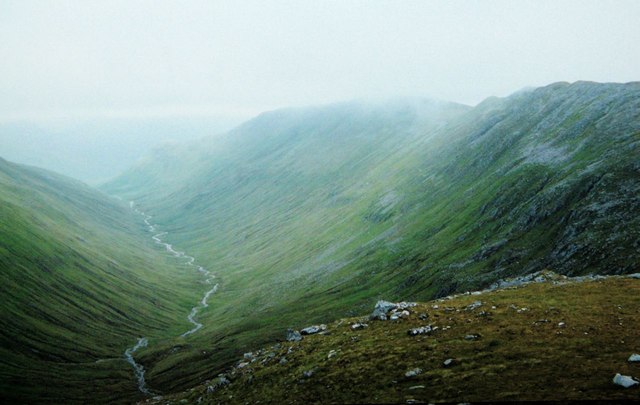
column 624, row 381
column 413, row 373
column 634, row 358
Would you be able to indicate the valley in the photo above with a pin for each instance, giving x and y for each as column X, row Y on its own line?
column 311, row 215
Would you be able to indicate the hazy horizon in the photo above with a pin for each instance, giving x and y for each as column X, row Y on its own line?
column 120, row 68
column 84, row 60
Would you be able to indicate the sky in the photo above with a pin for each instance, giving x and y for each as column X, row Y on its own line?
column 236, row 58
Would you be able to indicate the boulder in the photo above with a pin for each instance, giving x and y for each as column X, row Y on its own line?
column 381, row 309
column 474, row 305
column 358, row 326
column 217, row 384
column 293, row 336
column 311, row 330
column 422, row 330
column 634, row 358
column 625, row 381
column 412, row 373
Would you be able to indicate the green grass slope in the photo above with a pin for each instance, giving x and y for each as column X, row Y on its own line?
column 308, row 215
column 80, row 282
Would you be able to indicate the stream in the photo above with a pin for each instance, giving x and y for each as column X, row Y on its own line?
column 138, row 369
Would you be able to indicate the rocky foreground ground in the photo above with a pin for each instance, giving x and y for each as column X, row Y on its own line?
column 540, row 337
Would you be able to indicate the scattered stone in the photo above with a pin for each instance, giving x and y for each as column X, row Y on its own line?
column 435, row 306
column 474, row 305
column 423, row 316
column 283, row 361
column 416, row 387
column 358, row 326
column 412, row 373
column 268, row 357
column 625, row 381
column 243, row 364
column 561, row 324
column 217, row 384
column 249, row 356
column 157, row 398
column 634, row 358
column 448, row 362
column 331, row 354
column 405, row 305
column 293, row 336
column 422, row 330
column 308, row 373
column 310, row 330
column 474, row 336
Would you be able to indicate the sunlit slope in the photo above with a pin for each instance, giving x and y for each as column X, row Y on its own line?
column 79, row 284
column 310, row 214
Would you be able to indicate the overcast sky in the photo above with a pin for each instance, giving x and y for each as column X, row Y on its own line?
column 156, row 58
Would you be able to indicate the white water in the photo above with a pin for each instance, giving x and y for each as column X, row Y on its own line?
column 142, row 342
column 138, row 370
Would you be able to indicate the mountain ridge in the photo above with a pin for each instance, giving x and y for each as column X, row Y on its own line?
column 293, row 208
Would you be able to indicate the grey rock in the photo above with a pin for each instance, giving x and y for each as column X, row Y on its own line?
column 474, row 336
column 405, row 305
column 293, row 335
column 381, row 309
column 217, row 384
column 283, row 361
column 634, row 275
column 310, row 330
column 625, row 381
column 634, row 358
column 448, row 362
column 422, row 330
column 308, row 373
column 474, row 305
column 358, row 326
column 423, row 316
column 413, row 372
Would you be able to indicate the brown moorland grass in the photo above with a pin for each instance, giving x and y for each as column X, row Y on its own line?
column 545, row 341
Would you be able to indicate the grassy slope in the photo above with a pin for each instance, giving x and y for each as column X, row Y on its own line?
column 310, row 214
column 520, row 356
column 80, row 282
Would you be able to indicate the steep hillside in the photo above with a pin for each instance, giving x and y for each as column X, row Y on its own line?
column 79, row 284
column 306, row 215
column 557, row 340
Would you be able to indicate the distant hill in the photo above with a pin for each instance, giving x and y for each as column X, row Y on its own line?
column 95, row 151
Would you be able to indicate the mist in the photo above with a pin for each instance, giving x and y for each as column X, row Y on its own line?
column 107, row 65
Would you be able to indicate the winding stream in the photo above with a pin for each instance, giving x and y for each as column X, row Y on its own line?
column 138, row 369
